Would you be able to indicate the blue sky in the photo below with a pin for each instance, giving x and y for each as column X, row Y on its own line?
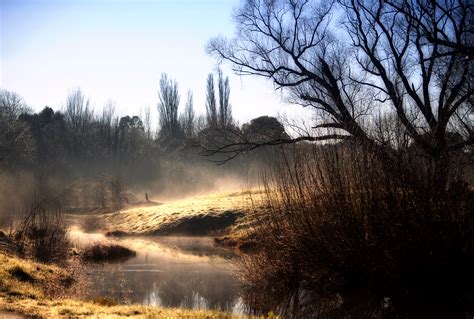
column 117, row 49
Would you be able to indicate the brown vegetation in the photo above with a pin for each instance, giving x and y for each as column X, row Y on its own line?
column 42, row 233
column 346, row 235
column 107, row 252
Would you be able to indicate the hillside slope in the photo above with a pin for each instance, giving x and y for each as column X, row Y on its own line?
column 202, row 215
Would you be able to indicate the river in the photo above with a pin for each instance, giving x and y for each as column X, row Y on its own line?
column 182, row 272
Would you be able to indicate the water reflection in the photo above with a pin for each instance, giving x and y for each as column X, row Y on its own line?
column 186, row 272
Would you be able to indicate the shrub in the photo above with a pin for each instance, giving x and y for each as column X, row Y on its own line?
column 102, row 252
column 42, row 233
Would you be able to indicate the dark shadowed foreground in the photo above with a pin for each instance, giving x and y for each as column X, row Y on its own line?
column 345, row 236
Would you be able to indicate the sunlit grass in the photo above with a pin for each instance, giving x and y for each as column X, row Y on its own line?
column 71, row 308
column 147, row 220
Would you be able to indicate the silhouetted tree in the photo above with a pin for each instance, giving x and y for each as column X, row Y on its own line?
column 107, row 131
column 147, row 122
column 187, row 118
column 47, row 129
column 168, row 108
column 379, row 60
column 263, row 129
column 131, row 136
column 225, row 109
column 11, row 104
column 211, row 105
column 78, row 117
column 16, row 144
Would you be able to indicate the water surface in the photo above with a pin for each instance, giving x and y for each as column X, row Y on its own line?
column 183, row 272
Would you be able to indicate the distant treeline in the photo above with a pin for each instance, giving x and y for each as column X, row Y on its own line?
column 78, row 141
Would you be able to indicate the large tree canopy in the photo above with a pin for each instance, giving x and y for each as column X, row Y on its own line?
column 352, row 60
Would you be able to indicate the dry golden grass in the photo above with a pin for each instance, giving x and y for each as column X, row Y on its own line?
column 146, row 220
column 73, row 308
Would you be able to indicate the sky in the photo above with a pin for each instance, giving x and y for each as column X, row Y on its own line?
column 116, row 50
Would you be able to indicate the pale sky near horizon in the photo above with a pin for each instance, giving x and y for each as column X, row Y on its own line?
column 117, row 49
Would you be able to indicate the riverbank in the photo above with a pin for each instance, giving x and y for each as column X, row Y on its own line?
column 210, row 215
column 38, row 290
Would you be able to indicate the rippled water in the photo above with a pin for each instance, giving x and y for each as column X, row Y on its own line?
column 187, row 272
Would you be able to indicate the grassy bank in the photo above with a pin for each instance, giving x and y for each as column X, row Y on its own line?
column 39, row 290
column 202, row 215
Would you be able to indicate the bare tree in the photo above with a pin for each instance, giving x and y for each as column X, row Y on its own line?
column 211, row 105
column 131, row 133
column 187, row 118
column 16, row 142
column 12, row 104
column 168, row 108
column 376, row 59
column 106, row 130
column 457, row 34
column 147, row 121
column 225, row 109
column 78, row 116
column 77, row 110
